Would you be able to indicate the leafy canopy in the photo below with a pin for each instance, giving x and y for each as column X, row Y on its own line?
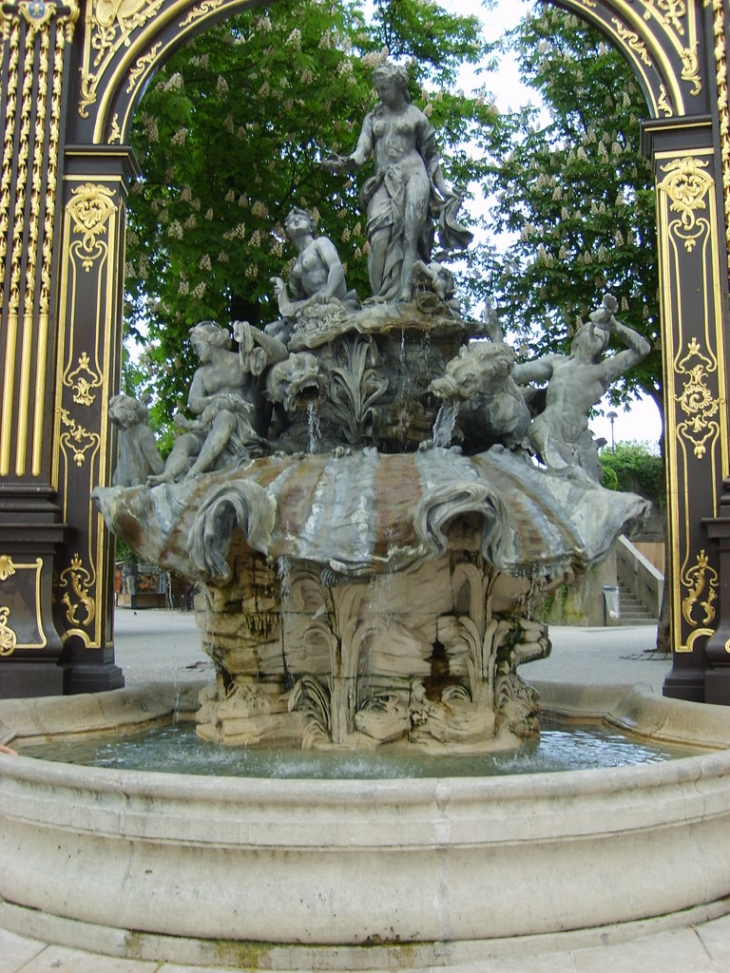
column 571, row 198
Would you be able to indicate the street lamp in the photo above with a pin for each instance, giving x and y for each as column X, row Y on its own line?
column 612, row 416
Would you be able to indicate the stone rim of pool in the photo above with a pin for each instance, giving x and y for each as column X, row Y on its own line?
column 320, row 873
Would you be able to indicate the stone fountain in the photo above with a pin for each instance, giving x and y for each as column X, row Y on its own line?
column 357, row 492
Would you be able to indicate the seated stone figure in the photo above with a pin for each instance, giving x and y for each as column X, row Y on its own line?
column 577, row 381
column 138, row 453
column 225, row 396
column 317, row 275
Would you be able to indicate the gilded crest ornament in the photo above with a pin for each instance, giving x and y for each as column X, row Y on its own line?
column 697, row 401
column 91, row 209
column 687, row 184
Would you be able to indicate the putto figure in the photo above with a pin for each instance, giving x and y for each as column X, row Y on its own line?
column 407, row 186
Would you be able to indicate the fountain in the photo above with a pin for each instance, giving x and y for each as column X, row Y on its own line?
column 371, row 502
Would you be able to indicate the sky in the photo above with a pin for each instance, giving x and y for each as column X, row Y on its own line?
column 643, row 422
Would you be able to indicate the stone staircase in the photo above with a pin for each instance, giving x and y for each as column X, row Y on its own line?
column 632, row 611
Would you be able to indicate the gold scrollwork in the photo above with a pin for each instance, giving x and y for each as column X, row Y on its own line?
column 696, row 399
column 91, row 209
column 141, row 65
column 7, row 568
column 206, row 7
column 80, row 579
column 109, row 25
column 700, row 579
column 663, row 103
column 687, row 184
column 8, row 638
column 115, row 134
column 631, row 39
column 78, row 439
column 82, row 380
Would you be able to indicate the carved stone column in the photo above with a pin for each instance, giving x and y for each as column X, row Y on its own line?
column 88, row 364
column 34, row 61
column 693, row 280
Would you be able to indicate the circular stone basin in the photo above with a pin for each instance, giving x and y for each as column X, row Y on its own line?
column 431, row 871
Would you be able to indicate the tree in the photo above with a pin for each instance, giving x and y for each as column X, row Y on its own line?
column 231, row 135
column 572, row 197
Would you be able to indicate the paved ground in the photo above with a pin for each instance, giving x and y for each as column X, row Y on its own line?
column 161, row 644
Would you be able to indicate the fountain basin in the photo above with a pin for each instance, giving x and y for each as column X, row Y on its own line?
column 122, row 858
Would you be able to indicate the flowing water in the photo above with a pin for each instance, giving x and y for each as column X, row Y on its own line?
column 176, row 749
column 443, row 427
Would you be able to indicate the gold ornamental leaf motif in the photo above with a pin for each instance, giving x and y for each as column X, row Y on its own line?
column 8, row 638
column 82, row 380
column 109, row 27
column 91, row 209
column 631, row 39
column 208, row 6
column 700, row 580
column 79, row 578
column 7, row 568
column 78, row 439
column 696, row 400
column 687, row 184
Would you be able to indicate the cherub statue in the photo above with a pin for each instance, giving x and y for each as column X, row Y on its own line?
column 226, row 398
column 139, row 456
column 577, row 381
column 317, row 275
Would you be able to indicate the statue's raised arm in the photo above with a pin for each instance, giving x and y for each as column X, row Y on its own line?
column 408, row 184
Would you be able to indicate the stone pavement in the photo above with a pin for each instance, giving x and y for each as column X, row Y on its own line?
column 156, row 644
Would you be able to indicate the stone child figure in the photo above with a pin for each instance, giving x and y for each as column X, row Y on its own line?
column 138, row 453
column 408, row 184
column 317, row 275
column 225, row 397
column 577, row 381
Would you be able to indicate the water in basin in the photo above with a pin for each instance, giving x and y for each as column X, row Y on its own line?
column 175, row 748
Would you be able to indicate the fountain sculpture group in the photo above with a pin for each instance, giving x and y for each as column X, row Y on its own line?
column 356, row 488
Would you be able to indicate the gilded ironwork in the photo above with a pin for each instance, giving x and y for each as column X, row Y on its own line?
column 78, row 439
column 697, row 401
column 90, row 209
column 109, row 27
column 141, row 66
column 82, row 380
column 78, row 599
column 723, row 107
column 8, row 638
column 700, row 580
column 202, row 10
column 632, row 40
column 687, row 185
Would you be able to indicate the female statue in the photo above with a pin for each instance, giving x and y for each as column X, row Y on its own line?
column 407, row 185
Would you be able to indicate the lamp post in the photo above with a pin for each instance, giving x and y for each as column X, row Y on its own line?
column 612, row 416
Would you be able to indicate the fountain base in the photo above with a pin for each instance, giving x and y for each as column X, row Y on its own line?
column 431, row 872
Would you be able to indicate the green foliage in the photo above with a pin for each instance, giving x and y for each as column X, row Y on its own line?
column 635, row 467
column 573, row 197
column 231, row 135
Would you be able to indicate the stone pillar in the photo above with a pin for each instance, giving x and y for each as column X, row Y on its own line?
column 34, row 60
column 88, row 364
column 693, row 281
